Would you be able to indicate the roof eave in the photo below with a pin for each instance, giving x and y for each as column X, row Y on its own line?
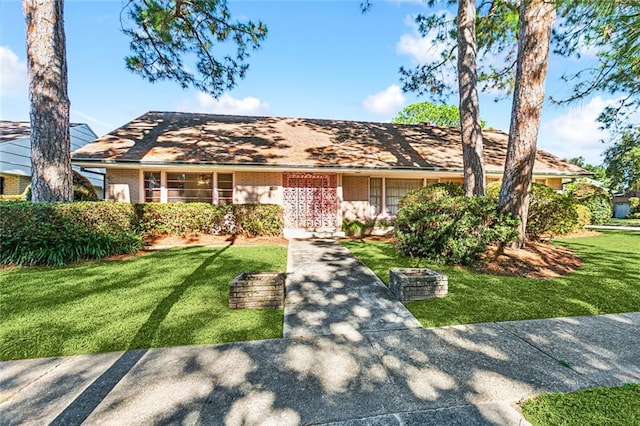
column 134, row 164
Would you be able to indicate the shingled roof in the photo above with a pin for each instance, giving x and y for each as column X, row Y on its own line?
column 201, row 139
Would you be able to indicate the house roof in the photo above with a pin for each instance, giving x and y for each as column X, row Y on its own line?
column 199, row 139
column 12, row 130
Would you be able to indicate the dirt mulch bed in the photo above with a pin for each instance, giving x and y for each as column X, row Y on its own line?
column 536, row 260
column 168, row 241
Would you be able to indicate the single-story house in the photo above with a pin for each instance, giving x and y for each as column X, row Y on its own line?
column 319, row 171
column 15, row 156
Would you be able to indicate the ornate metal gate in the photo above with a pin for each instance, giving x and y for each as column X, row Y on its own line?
column 310, row 200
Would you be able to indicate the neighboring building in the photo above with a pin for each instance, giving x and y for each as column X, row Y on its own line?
column 621, row 205
column 320, row 171
column 15, row 156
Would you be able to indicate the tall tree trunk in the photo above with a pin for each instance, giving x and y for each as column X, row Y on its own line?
column 51, row 177
column 536, row 21
column 471, row 130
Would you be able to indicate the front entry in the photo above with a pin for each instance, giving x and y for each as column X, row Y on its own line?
column 310, row 201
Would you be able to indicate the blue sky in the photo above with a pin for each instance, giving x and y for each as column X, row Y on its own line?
column 322, row 59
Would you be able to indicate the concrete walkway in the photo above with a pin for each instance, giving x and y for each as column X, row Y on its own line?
column 614, row 227
column 329, row 291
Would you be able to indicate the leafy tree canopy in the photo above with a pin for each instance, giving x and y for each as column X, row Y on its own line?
column 599, row 171
column 430, row 113
column 164, row 33
column 611, row 31
column 497, row 32
column 622, row 161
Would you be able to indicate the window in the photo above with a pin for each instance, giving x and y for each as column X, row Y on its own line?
column 375, row 196
column 395, row 189
column 189, row 187
column 152, row 187
column 225, row 188
column 1, row 185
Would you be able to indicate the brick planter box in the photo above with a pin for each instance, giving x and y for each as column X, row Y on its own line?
column 417, row 284
column 257, row 290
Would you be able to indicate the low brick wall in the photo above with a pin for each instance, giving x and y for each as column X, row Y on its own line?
column 257, row 290
column 417, row 284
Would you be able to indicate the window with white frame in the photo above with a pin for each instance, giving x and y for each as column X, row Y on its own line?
column 189, row 187
column 152, row 187
column 395, row 189
column 225, row 188
column 375, row 196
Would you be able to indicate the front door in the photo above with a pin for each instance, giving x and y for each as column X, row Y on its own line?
column 310, row 200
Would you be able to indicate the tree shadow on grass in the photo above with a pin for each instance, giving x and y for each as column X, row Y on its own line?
column 146, row 333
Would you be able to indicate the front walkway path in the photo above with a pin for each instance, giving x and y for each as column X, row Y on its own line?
column 329, row 291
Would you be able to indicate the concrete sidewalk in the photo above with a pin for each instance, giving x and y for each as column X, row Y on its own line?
column 470, row 375
column 329, row 291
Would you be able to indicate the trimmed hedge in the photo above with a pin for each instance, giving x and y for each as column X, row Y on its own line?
column 430, row 192
column 19, row 197
column 258, row 219
column 359, row 229
column 595, row 198
column 550, row 213
column 59, row 233
column 204, row 218
column 454, row 230
column 182, row 218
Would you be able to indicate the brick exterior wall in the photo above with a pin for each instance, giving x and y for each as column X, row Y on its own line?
column 121, row 181
column 258, row 187
column 15, row 184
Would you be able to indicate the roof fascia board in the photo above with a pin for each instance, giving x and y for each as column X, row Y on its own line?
column 292, row 168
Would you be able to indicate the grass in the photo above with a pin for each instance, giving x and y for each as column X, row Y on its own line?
column 595, row 406
column 623, row 222
column 606, row 283
column 168, row 298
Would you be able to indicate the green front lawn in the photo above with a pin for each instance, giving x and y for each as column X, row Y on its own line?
column 168, row 298
column 596, row 406
column 623, row 222
column 606, row 283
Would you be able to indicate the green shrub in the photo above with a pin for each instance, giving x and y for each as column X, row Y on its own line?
column 59, row 233
column 18, row 197
column 550, row 213
column 634, row 205
column 584, row 217
column 493, row 190
column 595, row 198
column 430, row 192
column 204, row 218
column 356, row 228
column 258, row 219
column 182, row 218
column 83, row 190
column 454, row 230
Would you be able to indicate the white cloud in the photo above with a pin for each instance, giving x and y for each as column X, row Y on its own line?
column 226, row 104
column 388, row 101
column 421, row 49
column 577, row 132
column 13, row 72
